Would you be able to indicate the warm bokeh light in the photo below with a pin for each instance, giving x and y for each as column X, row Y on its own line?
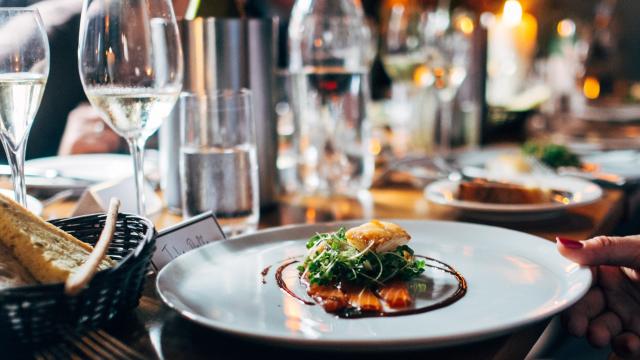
column 591, row 88
column 566, row 28
column 634, row 91
column 375, row 147
column 465, row 24
column 422, row 76
column 512, row 12
column 310, row 215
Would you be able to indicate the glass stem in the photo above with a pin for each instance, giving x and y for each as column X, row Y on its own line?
column 16, row 162
column 446, row 123
column 136, row 146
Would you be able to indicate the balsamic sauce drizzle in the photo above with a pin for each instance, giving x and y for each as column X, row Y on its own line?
column 349, row 313
column 264, row 274
column 283, row 285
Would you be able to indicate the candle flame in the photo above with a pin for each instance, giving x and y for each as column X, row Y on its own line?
column 512, row 12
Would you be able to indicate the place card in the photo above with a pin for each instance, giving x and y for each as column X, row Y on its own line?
column 186, row 236
column 96, row 198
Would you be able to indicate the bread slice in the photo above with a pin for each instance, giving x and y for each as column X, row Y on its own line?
column 12, row 273
column 48, row 253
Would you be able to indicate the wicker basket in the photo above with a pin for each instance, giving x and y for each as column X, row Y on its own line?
column 36, row 315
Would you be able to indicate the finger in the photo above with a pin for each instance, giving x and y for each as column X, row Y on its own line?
column 602, row 250
column 603, row 328
column 626, row 345
column 621, row 296
column 579, row 315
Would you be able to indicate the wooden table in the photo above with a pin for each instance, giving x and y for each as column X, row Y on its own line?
column 158, row 332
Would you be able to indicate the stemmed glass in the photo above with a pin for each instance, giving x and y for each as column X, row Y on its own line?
column 24, row 68
column 403, row 48
column 130, row 63
column 404, row 54
column 448, row 63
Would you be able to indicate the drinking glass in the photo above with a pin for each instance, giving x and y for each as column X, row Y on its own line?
column 403, row 49
column 448, row 63
column 330, row 52
column 130, row 63
column 24, row 68
column 218, row 160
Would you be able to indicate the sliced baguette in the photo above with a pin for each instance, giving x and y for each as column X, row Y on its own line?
column 48, row 253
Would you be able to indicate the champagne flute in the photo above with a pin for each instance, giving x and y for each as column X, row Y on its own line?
column 24, row 68
column 130, row 63
column 448, row 63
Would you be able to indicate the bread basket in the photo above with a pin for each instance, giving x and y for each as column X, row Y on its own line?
column 38, row 314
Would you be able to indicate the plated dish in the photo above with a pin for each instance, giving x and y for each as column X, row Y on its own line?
column 527, row 196
column 366, row 271
column 512, row 279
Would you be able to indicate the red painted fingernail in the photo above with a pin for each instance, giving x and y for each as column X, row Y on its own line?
column 569, row 243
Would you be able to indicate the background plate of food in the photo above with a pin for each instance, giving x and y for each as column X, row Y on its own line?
column 514, row 197
column 406, row 284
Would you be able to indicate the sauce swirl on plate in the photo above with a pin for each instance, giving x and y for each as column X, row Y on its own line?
column 428, row 292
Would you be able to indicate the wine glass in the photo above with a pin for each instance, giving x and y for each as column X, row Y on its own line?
column 448, row 61
column 403, row 48
column 404, row 55
column 24, row 68
column 130, row 63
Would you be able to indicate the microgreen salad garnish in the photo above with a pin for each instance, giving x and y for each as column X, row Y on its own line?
column 332, row 259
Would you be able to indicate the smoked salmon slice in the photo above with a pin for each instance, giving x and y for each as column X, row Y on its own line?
column 330, row 298
column 396, row 295
column 363, row 299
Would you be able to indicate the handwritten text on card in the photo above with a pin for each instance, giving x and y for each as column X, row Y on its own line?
column 184, row 237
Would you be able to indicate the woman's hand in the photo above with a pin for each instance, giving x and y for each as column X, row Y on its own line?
column 86, row 132
column 610, row 312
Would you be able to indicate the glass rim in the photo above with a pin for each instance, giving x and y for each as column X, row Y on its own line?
column 217, row 94
column 19, row 9
column 232, row 99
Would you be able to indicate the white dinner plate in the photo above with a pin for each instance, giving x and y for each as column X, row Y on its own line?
column 33, row 204
column 444, row 192
column 513, row 279
column 93, row 168
column 625, row 163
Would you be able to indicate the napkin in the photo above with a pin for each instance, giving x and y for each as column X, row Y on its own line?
column 96, row 198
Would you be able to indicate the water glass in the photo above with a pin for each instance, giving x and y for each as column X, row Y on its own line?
column 330, row 54
column 218, row 161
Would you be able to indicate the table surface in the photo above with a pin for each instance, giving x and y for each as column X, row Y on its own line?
column 158, row 332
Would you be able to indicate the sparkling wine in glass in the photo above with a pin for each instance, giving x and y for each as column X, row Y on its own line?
column 24, row 67
column 404, row 50
column 130, row 63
